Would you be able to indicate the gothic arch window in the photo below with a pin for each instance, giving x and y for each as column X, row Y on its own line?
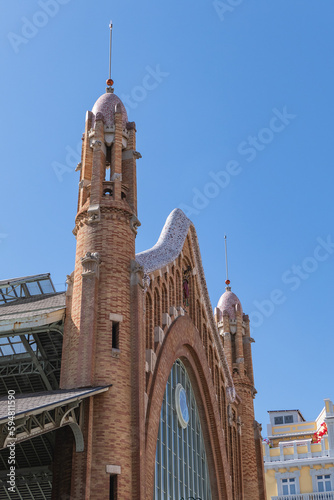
column 157, row 308
column 216, row 379
column 223, row 408
column 198, row 316
column 235, row 461
column 107, row 169
column 211, row 360
column 187, row 287
column 171, row 291
column 219, row 397
column 149, row 318
column 164, row 297
column 205, row 339
column 178, row 288
column 233, row 348
column 181, row 469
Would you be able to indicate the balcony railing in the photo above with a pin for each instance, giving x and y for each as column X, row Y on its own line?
column 326, row 495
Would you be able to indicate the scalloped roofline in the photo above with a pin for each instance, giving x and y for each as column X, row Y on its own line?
column 167, row 250
column 169, row 245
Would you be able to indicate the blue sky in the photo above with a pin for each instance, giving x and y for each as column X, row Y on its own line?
column 235, row 126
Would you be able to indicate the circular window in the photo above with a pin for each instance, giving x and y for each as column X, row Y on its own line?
column 181, row 405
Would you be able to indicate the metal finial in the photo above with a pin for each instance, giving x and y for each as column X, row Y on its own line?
column 110, row 82
column 227, row 281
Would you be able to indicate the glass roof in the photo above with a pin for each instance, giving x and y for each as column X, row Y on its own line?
column 29, row 286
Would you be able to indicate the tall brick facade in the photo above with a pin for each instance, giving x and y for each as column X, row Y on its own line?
column 129, row 318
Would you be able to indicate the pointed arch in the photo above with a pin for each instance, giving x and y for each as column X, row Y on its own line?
column 178, row 288
column 157, row 308
column 211, row 360
column 198, row 316
column 182, row 341
column 149, row 321
column 205, row 339
column 164, row 298
column 171, row 292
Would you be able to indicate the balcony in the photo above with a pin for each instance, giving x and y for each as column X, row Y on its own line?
column 327, row 495
column 296, row 450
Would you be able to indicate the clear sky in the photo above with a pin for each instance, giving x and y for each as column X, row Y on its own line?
column 234, row 112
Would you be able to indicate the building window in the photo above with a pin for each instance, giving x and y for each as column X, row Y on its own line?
column 287, row 419
column 289, row 486
column 115, row 335
column 288, row 483
column 324, row 483
column 113, row 488
column 181, row 469
column 322, row 479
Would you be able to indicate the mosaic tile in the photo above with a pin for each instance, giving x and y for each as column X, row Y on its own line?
column 105, row 105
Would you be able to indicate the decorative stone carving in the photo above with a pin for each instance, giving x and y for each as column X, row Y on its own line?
column 257, row 430
column 90, row 264
column 137, row 273
column 146, row 282
column 230, row 415
column 173, row 312
column 230, row 391
column 181, row 311
column 158, row 334
column 116, row 177
column 115, row 353
column 99, row 116
column 151, row 359
column 134, row 224
column 84, row 183
column 94, row 213
column 239, row 424
column 96, row 145
column 69, row 283
column 166, row 320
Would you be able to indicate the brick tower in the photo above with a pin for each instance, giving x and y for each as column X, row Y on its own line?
column 140, row 331
column 234, row 330
column 99, row 347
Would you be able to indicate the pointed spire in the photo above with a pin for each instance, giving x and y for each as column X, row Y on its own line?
column 227, row 281
column 110, row 82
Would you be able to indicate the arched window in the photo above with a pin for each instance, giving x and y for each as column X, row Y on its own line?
column 157, row 308
column 205, row 339
column 178, row 288
column 216, row 381
column 181, row 469
column 211, row 360
column 171, row 292
column 198, row 316
column 164, row 298
column 149, row 321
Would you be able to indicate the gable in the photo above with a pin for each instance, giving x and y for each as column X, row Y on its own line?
column 175, row 284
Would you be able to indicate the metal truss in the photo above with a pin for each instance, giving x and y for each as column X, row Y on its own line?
column 35, row 352
column 31, row 475
column 49, row 420
column 28, row 368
